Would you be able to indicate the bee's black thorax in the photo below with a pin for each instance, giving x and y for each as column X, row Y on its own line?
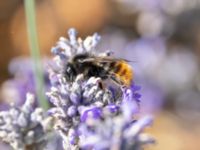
column 88, row 68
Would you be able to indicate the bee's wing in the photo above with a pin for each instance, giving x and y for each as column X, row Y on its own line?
column 102, row 59
column 110, row 59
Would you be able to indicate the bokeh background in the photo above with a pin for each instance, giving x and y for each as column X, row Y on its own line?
column 161, row 37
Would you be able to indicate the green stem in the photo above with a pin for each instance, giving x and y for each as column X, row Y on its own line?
column 35, row 52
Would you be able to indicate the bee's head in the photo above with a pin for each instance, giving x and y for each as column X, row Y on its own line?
column 70, row 72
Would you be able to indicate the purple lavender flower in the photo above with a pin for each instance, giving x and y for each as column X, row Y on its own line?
column 73, row 103
column 25, row 127
column 119, row 132
column 15, row 89
column 86, row 114
column 84, row 99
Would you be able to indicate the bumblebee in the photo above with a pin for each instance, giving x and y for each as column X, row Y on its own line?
column 105, row 67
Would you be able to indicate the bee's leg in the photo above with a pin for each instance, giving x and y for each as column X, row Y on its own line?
column 101, row 86
column 116, row 80
column 117, row 95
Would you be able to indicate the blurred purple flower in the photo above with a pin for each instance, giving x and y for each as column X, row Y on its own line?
column 132, row 93
column 25, row 127
column 119, row 132
column 15, row 89
column 94, row 112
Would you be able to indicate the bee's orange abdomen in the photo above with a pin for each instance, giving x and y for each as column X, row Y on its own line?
column 124, row 72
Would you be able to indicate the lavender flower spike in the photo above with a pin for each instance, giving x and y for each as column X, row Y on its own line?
column 85, row 102
column 24, row 128
column 73, row 100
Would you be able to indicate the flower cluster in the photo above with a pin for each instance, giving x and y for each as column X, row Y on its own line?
column 25, row 127
column 73, row 101
column 88, row 113
column 76, row 102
